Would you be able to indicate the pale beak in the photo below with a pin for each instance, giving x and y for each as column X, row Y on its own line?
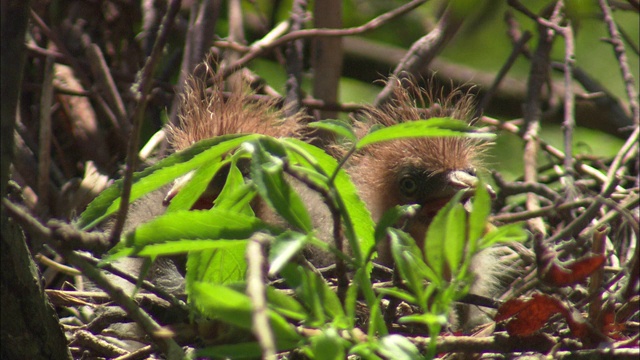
column 463, row 181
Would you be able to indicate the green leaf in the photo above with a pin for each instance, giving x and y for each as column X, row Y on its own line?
column 236, row 195
column 328, row 345
column 233, row 307
column 162, row 173
column 479, row 215
column 196, row 224
column 335, row 126
column 221, row 265
column 437, row 238
column 455, row 237
column 358, row 214
column 195, row 186
column 427, row 319
column 285, row 305
column 268, row 175
column 391, row 217
column 434, row 127
column 408, row 260
column 176, row 247
column 284, row 248
column 505, row 233
column 398, row 347
column 398, row 294
column 315, row 294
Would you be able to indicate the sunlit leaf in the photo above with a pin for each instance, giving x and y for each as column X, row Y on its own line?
column 434, row 127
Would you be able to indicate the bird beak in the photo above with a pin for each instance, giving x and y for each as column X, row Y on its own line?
column 454, row 182
column 463, row 181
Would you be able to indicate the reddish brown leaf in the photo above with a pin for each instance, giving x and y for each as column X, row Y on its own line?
column 529, row 316
column 612, row 328
column 574, row 272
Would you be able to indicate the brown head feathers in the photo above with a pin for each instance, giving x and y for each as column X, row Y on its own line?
column 209, row 112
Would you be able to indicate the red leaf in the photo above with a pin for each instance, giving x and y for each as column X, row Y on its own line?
column 529, row 316
column 574, row 272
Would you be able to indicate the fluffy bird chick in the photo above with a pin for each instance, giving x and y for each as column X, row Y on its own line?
column 423, row 171
column 427, row 172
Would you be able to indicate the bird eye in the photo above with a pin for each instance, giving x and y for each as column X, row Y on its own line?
column 408, row 186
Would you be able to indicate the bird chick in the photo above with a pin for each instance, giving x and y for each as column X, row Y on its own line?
column 423, row 171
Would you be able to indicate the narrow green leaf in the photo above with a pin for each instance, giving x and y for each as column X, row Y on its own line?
column 284, row 248
column 175, row 248
column 328, row 345
column 398, row 347
column 286, row 305
column 196, row 224
column 162, row 173
column 335, row 126
column 268, row 175
column 230, row 306
column 358, row 214
column 197, row 184
column 398, row 294
column 436, row 238
column 479, row 215
column 505, row 233
column 435, row 127
column 391, row 217
column 455, row 237
column 220, row 265
column 409, row 262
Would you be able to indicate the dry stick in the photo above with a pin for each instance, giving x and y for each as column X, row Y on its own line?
column 103, row 74
column 538, row 76
column 556, row 153
column 236, row 34
column 630, row 144
column 265, row 46
column 543, row 211
column 421, row 53
column 294, row 57
column 44, row 138
column 60, row 241
column 517, row 50
column 595, row 281
column 141, row 89
column 569, row 108
column 257, row 293
column 618, row 47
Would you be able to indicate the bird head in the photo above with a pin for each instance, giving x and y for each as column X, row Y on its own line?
column 423, row 171
column 208, row 111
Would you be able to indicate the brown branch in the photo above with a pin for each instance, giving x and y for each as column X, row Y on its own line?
column 263, row 47
column 141, row 88
column 421, row 53
column 618, row 47
column 256, row 291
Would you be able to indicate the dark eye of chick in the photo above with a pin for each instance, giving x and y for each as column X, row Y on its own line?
column 408, row 186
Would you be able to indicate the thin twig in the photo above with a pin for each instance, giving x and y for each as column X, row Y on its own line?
column 141, row 89
column 257, row 293
column 618, row 47
column 421, row 53
column 517, row 50
column 373, row 24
